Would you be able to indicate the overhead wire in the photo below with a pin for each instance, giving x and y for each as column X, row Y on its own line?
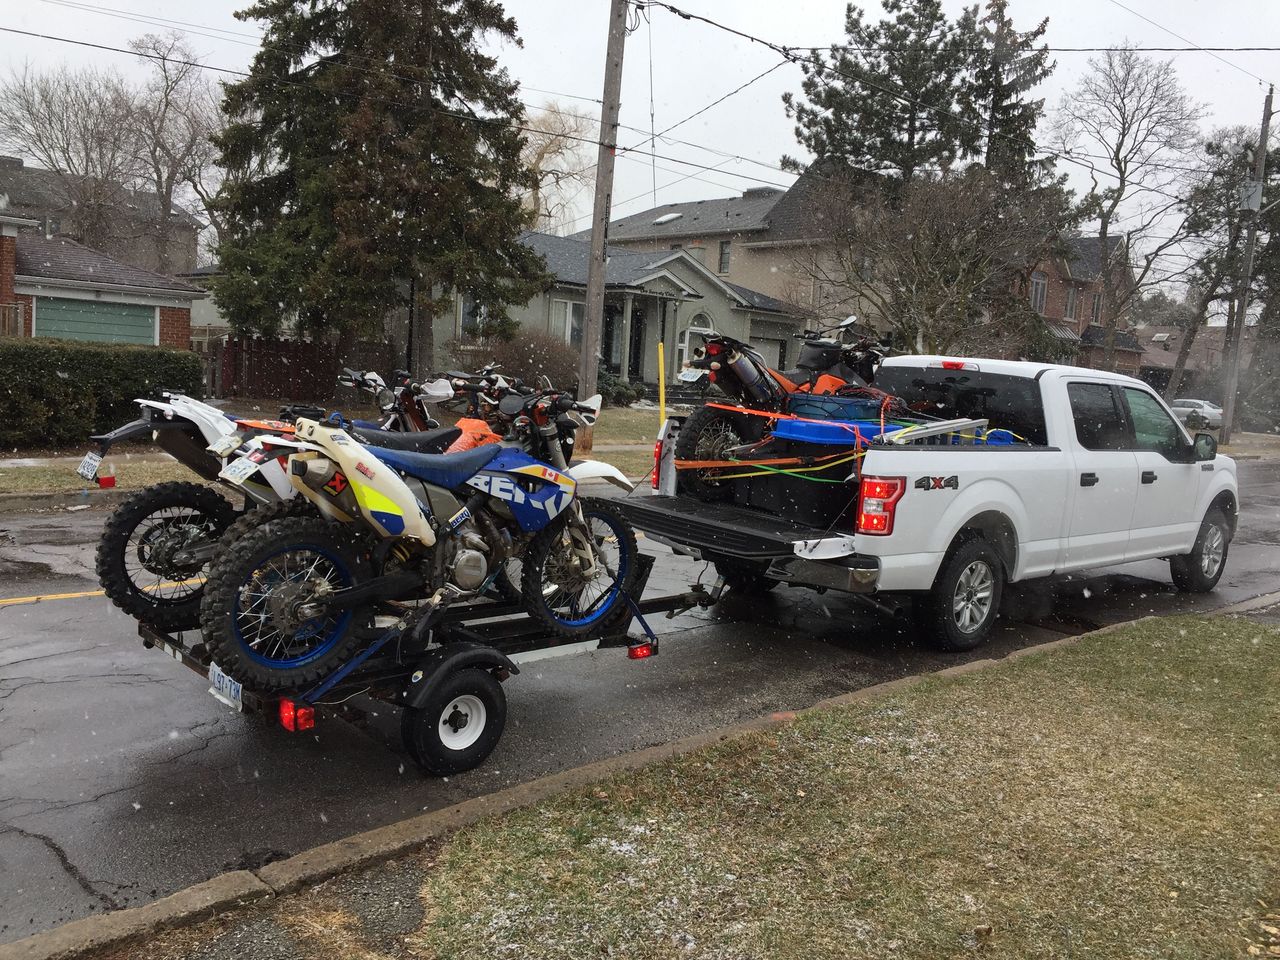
column 1161, row 26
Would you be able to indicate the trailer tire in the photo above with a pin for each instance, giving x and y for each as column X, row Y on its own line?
column 459, row 725
column 960, row 611
column 175, row 613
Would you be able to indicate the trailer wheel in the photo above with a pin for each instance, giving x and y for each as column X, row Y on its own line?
column 960, row 611
column 458, row 726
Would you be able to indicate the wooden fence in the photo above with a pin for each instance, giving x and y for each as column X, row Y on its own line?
column 287, row 369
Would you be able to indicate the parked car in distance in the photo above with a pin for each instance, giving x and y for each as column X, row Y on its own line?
column 1211, row 412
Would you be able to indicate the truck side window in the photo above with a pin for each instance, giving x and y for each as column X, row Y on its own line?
column 1007, row 402
column 1153, row 428
column 1099, row 423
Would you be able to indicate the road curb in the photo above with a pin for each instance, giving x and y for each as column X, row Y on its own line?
column 229, row 890
column 29, row 502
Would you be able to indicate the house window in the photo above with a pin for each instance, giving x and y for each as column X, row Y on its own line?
column 1039, row 291
column 470, row 317
column 1097, row 308
column 567, row 318
column 1073, row 298
column 724, row 256
column 677, row 246
column 690, row 338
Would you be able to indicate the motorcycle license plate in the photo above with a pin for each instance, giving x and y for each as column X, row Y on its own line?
column 692, row 375
column 89, row 466
column 230, row 692
column 224, row 446
column 238, row 471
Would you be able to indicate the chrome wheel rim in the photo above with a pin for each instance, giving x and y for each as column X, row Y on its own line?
column 1214, row 549
column 462, row 722
column 973, row 596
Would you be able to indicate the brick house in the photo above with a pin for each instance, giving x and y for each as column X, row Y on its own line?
column 1067, row 292
column 55, row 287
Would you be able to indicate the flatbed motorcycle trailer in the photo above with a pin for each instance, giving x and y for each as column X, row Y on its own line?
column 450, row 693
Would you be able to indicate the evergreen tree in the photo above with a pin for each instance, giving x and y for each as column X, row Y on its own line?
column 386, row 148
column 1007, row 65
column 896, row 96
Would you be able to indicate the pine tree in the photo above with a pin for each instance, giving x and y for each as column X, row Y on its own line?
column 388, row 149
column 1007, row 65
column 895, row 97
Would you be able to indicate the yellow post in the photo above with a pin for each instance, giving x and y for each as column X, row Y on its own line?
column 662, row 384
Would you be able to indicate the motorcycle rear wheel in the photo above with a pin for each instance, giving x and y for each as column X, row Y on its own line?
column 135, row 561
column 705, row 435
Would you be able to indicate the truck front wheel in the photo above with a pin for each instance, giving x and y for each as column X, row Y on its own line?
column 1200, row 570
column 960, row 612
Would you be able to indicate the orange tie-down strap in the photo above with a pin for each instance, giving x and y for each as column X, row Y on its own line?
column 783, row 462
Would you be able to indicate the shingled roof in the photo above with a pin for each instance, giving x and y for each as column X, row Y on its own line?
column 1084, row 256
column 41, row 258
column 742, row 214
column 36, row 192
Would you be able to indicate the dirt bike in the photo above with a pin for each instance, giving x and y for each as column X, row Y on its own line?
column 294, row 598
column 157, row 542
column 826, row 365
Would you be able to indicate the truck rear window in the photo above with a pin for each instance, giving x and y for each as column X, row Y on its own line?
column 1007, row 402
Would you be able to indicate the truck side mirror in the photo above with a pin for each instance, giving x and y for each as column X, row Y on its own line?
column 1206, row 446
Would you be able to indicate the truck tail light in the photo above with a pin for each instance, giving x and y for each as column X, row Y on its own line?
column 877, row 500
column 957, row 365
column 657, row 464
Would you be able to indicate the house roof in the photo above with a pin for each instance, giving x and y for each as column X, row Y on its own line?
column 567, row 258
column 739, row 214
column 35, row 191
column 1161, row 343
column 59, row 258
column 1065, row 332
column 1095, row 335
column 1084, row 256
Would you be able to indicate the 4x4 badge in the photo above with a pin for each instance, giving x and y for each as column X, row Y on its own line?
column 938, row 483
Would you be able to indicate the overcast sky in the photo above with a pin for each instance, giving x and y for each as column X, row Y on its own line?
column 693, row 64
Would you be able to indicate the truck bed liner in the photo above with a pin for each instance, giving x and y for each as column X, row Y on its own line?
column 720, row 528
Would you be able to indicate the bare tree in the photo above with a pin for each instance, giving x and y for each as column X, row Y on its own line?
column 170, row 129
column 1131, row 120
column 941, row 261
column 558, row 150
column 76, row 123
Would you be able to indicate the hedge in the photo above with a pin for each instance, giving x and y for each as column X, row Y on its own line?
column 58, row 392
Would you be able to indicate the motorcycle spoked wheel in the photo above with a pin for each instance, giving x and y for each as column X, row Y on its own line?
column 136, row 557
column 707, row 434
column 559, row 593
column 250, row 617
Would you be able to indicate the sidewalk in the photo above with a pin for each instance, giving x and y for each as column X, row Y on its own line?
column 1114, row 797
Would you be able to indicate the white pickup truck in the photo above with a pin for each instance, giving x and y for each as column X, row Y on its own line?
column 1105, row 475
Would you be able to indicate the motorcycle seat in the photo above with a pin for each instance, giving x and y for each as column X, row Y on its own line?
column 442, row 469
column 409, row 441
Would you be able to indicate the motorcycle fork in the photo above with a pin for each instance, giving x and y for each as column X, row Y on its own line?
column 580, row 541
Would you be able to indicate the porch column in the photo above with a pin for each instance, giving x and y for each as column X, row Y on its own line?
column 626, row 335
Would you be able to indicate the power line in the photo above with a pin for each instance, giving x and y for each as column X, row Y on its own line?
column 1161, row 26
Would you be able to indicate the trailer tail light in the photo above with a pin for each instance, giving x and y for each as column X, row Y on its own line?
column 657, row 464
column 877, row 500
column 296, row 717
column 640, row 651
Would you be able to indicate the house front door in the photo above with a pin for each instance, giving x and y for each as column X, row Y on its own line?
column 635, row 349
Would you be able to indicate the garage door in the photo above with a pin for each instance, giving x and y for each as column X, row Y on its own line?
column 93, row 320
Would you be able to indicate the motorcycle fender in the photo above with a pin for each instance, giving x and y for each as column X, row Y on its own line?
column 437, row 665
column 130, row 431
column 595, row 470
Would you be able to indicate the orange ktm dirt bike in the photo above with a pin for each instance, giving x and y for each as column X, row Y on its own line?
column 826, row 365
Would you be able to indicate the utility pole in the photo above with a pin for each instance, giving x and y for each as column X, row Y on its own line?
column 594, row 320
column 1252, row 202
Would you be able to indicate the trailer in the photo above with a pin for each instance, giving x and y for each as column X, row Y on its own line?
column 450, row 692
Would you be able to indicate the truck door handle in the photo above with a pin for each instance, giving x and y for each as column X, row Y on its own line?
column 1149, row 476
column 1088, row 479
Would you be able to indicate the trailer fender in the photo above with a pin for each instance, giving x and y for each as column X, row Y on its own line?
column 438, row 664
column 595, row 470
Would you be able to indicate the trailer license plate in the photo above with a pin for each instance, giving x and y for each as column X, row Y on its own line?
column 230, row 692
column 89, row 466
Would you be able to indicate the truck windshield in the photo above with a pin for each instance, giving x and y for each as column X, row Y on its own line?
column 1007, row 402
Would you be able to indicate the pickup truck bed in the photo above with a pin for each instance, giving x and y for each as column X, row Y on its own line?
column 719, row 528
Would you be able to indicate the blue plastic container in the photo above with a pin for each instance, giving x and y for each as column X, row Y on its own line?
column 832, row 432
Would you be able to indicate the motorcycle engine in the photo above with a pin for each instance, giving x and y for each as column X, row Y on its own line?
column 470, row 569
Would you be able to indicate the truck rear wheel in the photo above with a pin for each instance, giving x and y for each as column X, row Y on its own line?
column 961, row 610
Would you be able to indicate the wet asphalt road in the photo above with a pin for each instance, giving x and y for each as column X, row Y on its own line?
column 122, row 780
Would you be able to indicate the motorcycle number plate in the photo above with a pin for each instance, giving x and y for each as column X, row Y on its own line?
column 89, row 466
column 224, row 446
column 230, row 692
column 692, row 375
column 238, row 471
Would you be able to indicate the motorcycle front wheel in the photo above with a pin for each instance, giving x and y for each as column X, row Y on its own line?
column 576, row 576
column 155, row 550
column 263, row 617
